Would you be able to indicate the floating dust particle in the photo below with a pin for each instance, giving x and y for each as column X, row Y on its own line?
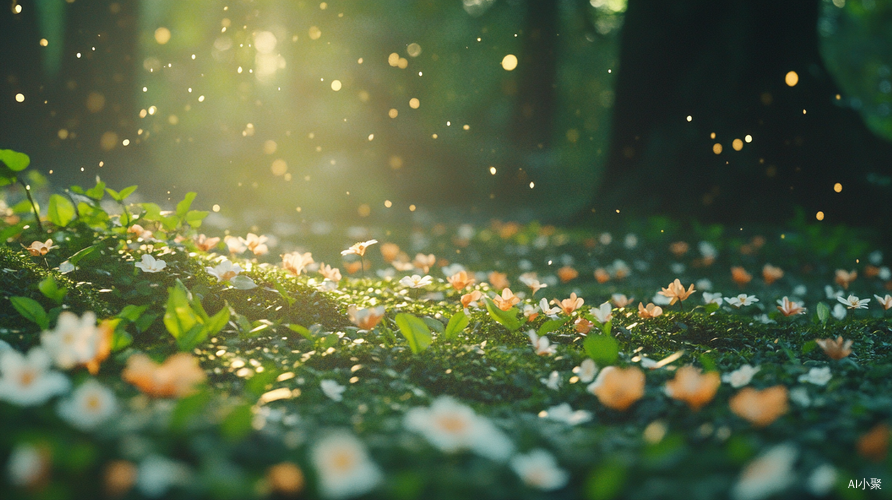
column 509, row 62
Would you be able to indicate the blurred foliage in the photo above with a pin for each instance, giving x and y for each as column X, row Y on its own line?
column 856, row 42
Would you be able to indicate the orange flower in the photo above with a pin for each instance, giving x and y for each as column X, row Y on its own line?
column 740, row 276
column 835, row 349
column 206, row 244
column 651, row 311
column 389, row 251
column 694, row 388
column 120, row 476
column 506, row 300
column 38, row 249
column 875, row 444
column 329, row 273
column 365, row 319
column 788, row 307
column 601, row 275
column 844, row 278
column 295, row 262
column 460, row 280
column 139, row 231
column 771, row 273
column 620, row 300
column 285, row 479
column 176, row 377
column 583, row 325
column 508, row 229
column 885, row 302
column 569, row 305
column 103, row 349
column 871, row 271
column 618, row 388
column 498, row 280
column 468, row 298
column 352, row 267
column 760, row 407
column 676, row 291
column 359, row 248
column 567, row 273
column 679, row 248
column 424, row 262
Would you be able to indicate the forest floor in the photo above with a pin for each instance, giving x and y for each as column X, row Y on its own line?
column 142, row 359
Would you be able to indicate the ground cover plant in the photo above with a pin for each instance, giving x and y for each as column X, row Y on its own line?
column 147, row 353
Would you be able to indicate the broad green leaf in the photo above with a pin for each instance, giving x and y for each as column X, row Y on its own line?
column 60, row 210
column 179, row 318
column 551, row 325
column 152, row 211
column 169, row 223
column 823, row 312
column 131, row 313
column 31, row 310
column 809, row 346
column 14, row 160
column 194, row 217
column 96, row 192
column 120, row 337
column 707, row 363
column 114, row 194
column 92, row 215
column 218, row 321
column 50, row 289
column 433, row 324
column 183, row 206
column 328, row 341
column 603, row 349
column 126, row 192
column 283, row 292
column 457, row 323
column 24, row 207
column 243, row 283
column 711, row 308
column 80, row 254
column 145, row 321
column 606, row 482
column 508, row 318
column 259, row 383
column 303, row 331
column 415, row 330
column 605, row 327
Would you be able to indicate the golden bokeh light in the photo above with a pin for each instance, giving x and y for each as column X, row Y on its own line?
column 509, row 62
column 737, row 144
column 396, row 162
column 44, row 42
column 270, row 146
column 108, row 141
column 414, row 103
column 279, row 167
column 837, row 187
column 95, row 102
column 748, row 138
column 162, row 35
column 20, row 97
column 393, row 113
column 364, row 210
column 717, row 148
column 336, row 85
column 791, row 78
column 314, row 32
column 414, row 50
column 819, row 216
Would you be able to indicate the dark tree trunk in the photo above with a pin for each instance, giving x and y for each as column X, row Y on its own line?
column 724, row 65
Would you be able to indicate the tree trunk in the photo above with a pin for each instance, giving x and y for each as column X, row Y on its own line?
column 723, row 64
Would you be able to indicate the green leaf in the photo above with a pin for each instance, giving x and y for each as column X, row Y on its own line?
column 131, row 313
column 60, row 211
column 508, row 318
column 303, row 331
column 711, row 308
column 80, row 254
column 328, row 341
column 31, row 310
column 433, row 324
column 415, row 331
column 237, row 424
column 126, row 192
column 283, row 293
column 145, row 321
column 194, row 217
column 823, row 312
column 120, row 337
column 183, row 206
column 152, row 211
column 96, row 192
column 707, row 363
column 551, row 325
column 114, row 194
column 603, row 349
column 457, row 323
column 259, row 383
column 605, row 482
column 50, row 289
column 187, row 409
column 14, row 160
column 181, row 321
column 809, row 346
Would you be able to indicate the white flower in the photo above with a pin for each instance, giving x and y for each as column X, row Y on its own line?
column 529, row 310
column 712, row 298
column 586, row 370
column 235, row 245
column 451, row 426
column 538, row 469
column 150, row 264
column 452, row 269
column 648, row 363
column 26, row 380
column 853, row 302
column 548, row 311
column 157, row 474
column 66, row 267
column 553, row 381
column 332, row 389
column 799, row 395
column 768, row 474
column 224, row 271
column 344, row 467
column 875, row 257
column 817, row 376
column 416, row 281
column 27, row 465
column 74, row 341
column 603, row 313
column 677, row 268
column 661, row 300
column 707, row 250
column 885, row 274
column 839, row 312
column 741, row 300
column 630, row 241
column 88, row 406
column 831, row 294
column 741, row 376
column 242, row 283
column 821, row 480
column 563, row 413
column 541, row 344
column 703, row 284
